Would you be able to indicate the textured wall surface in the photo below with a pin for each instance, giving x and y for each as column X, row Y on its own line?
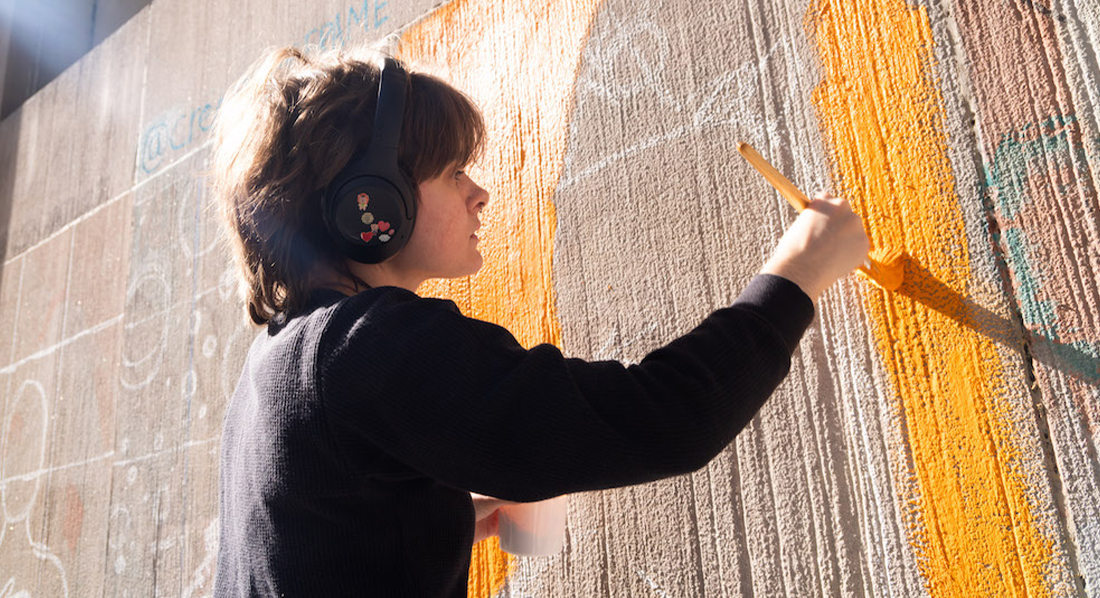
column 941, row 440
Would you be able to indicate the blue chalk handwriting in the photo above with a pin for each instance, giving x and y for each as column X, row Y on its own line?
column 170, row 134
column 174, row 132
column 331, row 34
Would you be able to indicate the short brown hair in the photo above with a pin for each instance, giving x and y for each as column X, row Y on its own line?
column 285, row 129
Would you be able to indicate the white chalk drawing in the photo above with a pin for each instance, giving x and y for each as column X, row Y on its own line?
column 127, row 551
column 203, row 575
column 29, row 400
column 615, row 346
column 652, row 584
column 11, row 367
column 727, row 100
column 209, row 345
column 192, row 215
column 118, row 541
column 151, row 287
column 146, row 318
column 621, row 64
column 227, row 283
column 735, row 101
column 8, row 590
column 15, row 411
column 189, row 384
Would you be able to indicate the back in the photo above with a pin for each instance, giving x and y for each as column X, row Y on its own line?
column 297, row 519
column 358, row 430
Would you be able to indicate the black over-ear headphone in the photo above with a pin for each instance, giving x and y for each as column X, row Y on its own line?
column 369, row 208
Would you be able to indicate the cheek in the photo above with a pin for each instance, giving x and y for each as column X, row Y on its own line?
column 435, row 233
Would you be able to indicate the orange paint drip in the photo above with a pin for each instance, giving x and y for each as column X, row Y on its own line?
column 519, row 62
column 971, row 529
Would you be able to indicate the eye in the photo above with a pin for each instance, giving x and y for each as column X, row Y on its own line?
column 459, row 173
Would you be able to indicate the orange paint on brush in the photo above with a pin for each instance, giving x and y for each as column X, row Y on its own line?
column 971, row 526
column 519, row 62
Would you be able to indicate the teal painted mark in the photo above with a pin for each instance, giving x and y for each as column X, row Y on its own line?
column 1037, row 313
column 1039, row 149
column 1011, row 169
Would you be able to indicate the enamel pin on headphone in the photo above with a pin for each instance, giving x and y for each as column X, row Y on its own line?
column 369, row 208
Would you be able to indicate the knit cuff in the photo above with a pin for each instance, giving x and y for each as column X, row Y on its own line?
column 781, row 303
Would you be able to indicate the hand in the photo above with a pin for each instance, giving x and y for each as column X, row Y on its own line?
column 486, row 515
column 826, row 242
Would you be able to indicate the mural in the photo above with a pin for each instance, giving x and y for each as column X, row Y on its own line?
column 974, row 529
column 522, row 75
column 940, row 440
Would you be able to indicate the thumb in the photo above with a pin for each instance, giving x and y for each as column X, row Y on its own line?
column 487, row 527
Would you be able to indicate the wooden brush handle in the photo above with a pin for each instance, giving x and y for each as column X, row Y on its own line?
column 887, row 275
column 786, row 188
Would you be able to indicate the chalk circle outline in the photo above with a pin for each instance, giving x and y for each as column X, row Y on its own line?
column 191, row 192
column 627, row 38
column 19, row 394
column 227, row 282
column 209, row 345
column 156, row 276
column 116, row 538
column 190, row 383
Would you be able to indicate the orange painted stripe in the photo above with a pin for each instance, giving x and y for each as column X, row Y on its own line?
column 519, row 61
column 971, row 529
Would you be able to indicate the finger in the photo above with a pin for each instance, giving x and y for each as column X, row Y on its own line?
column 840, row 202
column 492, row 523
column 487, row 527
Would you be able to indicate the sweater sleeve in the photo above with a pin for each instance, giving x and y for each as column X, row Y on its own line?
column 460, row 400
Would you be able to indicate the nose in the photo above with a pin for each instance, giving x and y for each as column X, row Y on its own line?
column 479, row 196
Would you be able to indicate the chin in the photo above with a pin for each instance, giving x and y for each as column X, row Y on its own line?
column 477, row 265
column 464, row 272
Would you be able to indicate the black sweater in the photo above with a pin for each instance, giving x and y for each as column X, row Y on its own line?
column 358, row 429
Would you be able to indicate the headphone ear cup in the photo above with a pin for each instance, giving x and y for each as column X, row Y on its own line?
column 369, row 218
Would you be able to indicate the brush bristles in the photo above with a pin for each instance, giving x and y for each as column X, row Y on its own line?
column 887, row 256
column 886, row 267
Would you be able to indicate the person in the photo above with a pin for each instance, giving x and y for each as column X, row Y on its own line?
column 374, row 433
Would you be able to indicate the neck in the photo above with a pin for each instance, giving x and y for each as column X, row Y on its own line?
column 375, row 275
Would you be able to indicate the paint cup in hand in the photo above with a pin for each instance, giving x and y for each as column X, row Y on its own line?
column 534, row 528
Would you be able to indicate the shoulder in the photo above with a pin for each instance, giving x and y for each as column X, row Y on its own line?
column 391, row 325
column 386, row 307
column 384, row 317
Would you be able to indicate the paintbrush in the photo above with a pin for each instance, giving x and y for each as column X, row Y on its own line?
column 884, row 266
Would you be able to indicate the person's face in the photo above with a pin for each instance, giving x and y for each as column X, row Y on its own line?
column 443, row 244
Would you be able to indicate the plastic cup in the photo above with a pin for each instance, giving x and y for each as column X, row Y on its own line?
column 533, row 528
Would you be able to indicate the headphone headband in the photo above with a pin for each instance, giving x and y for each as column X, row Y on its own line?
column 389, row 113
column 369, row 208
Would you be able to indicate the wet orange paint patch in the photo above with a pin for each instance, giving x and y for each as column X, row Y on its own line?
column 970, row 524
column 519, row 62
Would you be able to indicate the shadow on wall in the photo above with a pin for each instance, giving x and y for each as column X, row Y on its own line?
column 921, row 286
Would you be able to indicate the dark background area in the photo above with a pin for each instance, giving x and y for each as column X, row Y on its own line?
column 41, row 38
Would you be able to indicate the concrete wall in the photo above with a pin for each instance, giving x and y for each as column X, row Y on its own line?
column 940, row 440
column 40, row 38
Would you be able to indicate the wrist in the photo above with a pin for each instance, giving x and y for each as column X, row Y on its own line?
column 807, row 281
